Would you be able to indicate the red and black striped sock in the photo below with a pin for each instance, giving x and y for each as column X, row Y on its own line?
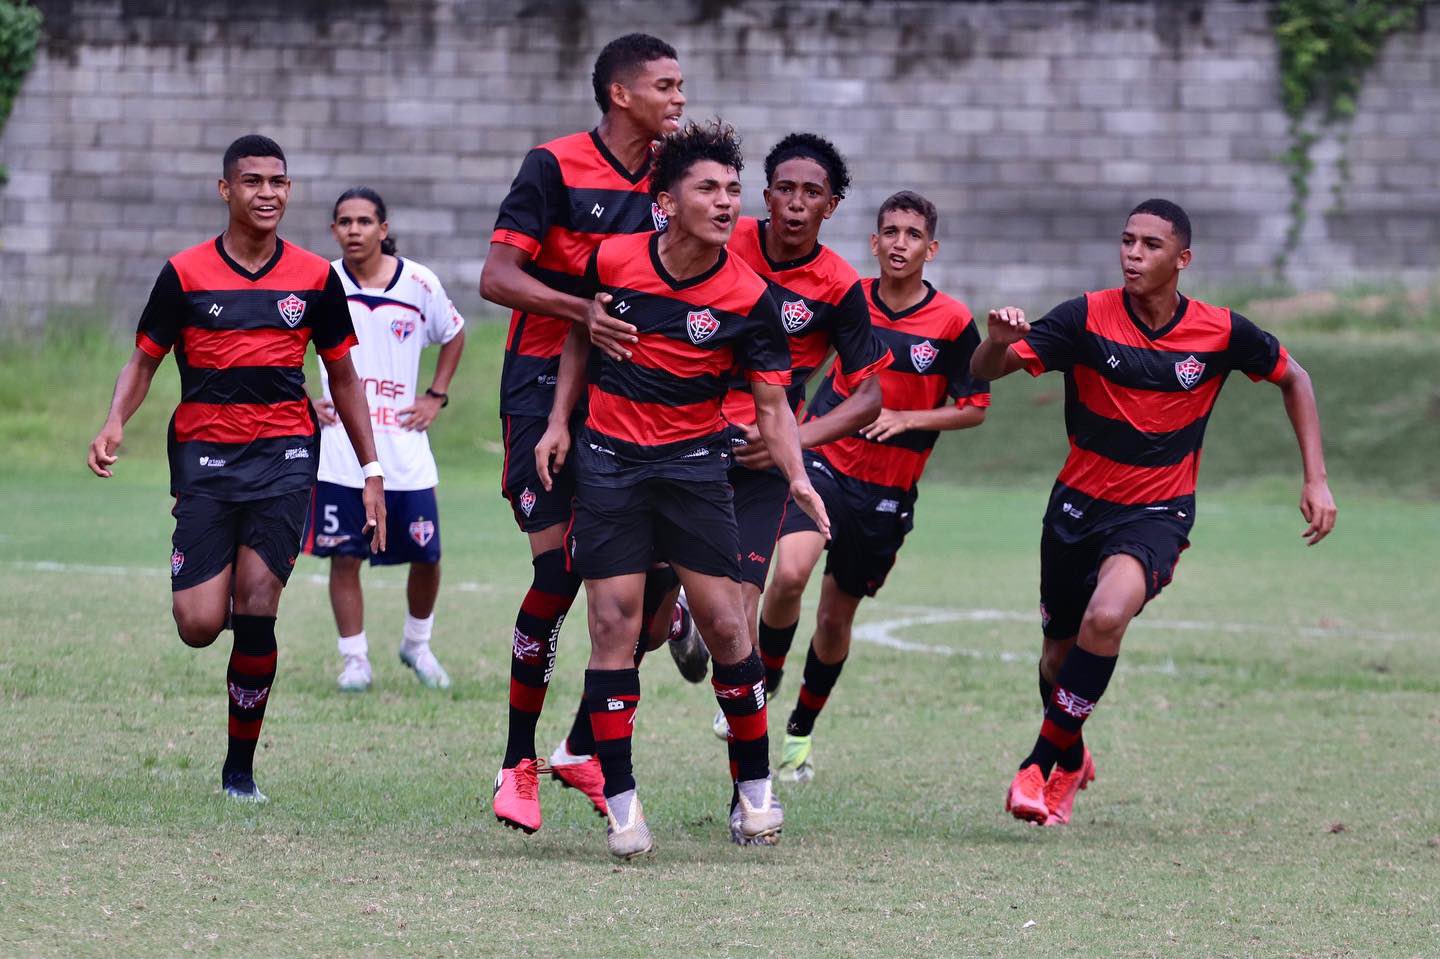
column 1074, row 757
column 1078, row 688
column 612, row 696
column 814, row 691
column 774, row 647
column 249, row 677
column 740, row 691
column 532, row 657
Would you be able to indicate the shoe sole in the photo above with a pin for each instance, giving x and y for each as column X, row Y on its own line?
column 769, row 839
column 561, row 780
column 1030, row 815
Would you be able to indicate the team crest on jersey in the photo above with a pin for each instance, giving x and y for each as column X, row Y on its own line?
column 1188, row 371
column 177, row 562
column 292, row 310
column 527, row 501
column 795, row 314
column 422, row 531
column 402, row 328
column 923, row 354
column 701, row 325
column 659, row 217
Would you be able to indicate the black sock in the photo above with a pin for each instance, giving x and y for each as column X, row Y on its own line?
column 774, row 647
column 1074, row 757
column 1082, row 681
column 740, row 691
column 612, row 696
column 250, row 675
column 581, row 741
column 814, row 691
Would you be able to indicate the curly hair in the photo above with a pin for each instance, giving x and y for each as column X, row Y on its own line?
column 678, row 152
column 622, row 58
column 810, row 146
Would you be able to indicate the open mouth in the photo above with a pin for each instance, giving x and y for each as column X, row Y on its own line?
column 898, row 261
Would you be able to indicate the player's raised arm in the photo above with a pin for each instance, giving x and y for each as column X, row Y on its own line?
column 131, row 387
column 994, row 357
column 1317, row 504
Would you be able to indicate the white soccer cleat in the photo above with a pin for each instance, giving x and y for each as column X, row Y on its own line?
column 761, row 816
column 626, row 832
column 740, row 839
column 242, row 789
column 427, row 668
column 355, row 676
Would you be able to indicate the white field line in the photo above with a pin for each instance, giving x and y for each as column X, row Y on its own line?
column 316, row 579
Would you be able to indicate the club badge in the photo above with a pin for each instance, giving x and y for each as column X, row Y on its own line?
column 1188, row 371
column 527, row 501
column 422, row 531
column 177, row 562
column 922, row 355
column 701, row 325
column 402, row 328
column 292, row 310
column 795, row 314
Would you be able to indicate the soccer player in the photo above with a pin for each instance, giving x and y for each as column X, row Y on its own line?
column 398, row 308
column 243, row 443
column 869, row 479
column 570, row 194
column 822, row 307
column 652, row 460
column 1143, row 366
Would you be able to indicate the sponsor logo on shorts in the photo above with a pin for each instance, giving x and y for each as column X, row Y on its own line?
column 614, row 705
column 659, row 217
column 1188, row 371
column 701, row 325
column 248, row 698
column 292, row 310
column 757, row 558
column 888, row 506
column 1076, row 706
column 177, row 562
column 297, row 453
column 402, row 328
column 922, row 355
column 696, row 454
column 795, row 314
column 546, row 379
column 328, row 540
column 525, row 648
column 214, row 462
column 821, row 467
column 527, row 501
column 422, row 531
column 1069, row 510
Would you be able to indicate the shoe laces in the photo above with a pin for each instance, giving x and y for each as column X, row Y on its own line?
column 527, row 781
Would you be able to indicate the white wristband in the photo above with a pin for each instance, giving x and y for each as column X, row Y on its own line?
column 372, row 470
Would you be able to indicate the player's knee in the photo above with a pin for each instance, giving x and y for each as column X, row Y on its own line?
column 197, row 631
column 726, row 635
column 788, row 581
column 833, row 624
column 1106, row 619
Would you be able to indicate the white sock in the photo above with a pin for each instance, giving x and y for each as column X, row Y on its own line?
column 356, row 645
column 417, row 631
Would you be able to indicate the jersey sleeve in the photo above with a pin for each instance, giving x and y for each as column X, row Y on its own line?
column 1054, row 338
column 442, row 320
column 530, row 208
column 765, row 353
column 159, row 326
column 861, row 352
column 964, row 387
column 1255, row 352
column 330, row 325
column 589, row 282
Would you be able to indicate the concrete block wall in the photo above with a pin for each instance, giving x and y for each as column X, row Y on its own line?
column 1033, row 125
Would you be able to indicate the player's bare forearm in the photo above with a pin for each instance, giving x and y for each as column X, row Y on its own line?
column 447, row 363
column 350, row 405
column 504, row 281
column 570, row 381
column 855, row 411
column 894, row 422
column 131, row 388
column 994, row 358
column 778, row 429
column 1317, row 504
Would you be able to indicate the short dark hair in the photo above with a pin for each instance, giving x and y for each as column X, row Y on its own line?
column 251, row 145
column 387, row 245
column 1170, row 213
column 622, row 58
column 678, row 152
column 810, row 146
column 910, row 202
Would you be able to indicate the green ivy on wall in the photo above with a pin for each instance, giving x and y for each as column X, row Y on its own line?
column 1326, row 47
column 19, row 37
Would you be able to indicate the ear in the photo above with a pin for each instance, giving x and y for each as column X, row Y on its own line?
column 222, row 186
column 931, row 249
column 1183, row 260
column 830, row 207
column 619, row 95
column 667, row 203
column 385, row 230
column 874, row 244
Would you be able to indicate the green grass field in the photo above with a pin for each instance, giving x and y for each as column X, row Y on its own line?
column 1267, row 752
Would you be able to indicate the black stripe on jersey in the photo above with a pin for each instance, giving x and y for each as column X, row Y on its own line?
column 1119, row 441
column 523, row 370
column 596, row 210
column 244, row 309
column 241, row 384
column 1144, row 368
column 644, row 384
column 917, row 441
column 903, row 360
column 557, row 280
column 244, row 471
column 703, row 448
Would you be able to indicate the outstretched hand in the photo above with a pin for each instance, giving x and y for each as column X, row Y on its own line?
column 1007, row 325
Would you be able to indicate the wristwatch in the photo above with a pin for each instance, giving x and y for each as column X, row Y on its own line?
column 444, row 398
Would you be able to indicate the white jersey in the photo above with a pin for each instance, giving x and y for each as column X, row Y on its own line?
column 393, row 324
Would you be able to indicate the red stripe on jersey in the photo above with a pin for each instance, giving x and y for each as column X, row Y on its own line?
column 334, row 353
column 1033, row 365
column 773, row 377
column 540, row 336
column 1282, row 363
column 1103, row 478
column 652, row 424
column 241, row 422
column 876, row 463
column 225, row 349
column 516, row 239
column 1149, row 411
column 201, row 269
column 677, row 357
column 1203, row 329
column 150, row 346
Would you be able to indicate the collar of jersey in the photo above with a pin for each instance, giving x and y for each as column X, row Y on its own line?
column 891, row 314
column 252, row 277
column 673, row 283
column 1144, row 328
column 614, row 161
column 782, row 266
column 399, row 268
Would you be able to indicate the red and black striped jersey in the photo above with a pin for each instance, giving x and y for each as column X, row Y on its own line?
column 1137, row 400
column 658, row 413
column 931, row 343
column 570, row 194
column 244, row 428
column 821, row 306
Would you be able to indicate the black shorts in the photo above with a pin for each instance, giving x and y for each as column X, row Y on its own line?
column 760, row 497
column 209, row 531
column 868, row 525
column 619, row 530
column 1069, row 571
column 534, row 508
column 335, row 525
